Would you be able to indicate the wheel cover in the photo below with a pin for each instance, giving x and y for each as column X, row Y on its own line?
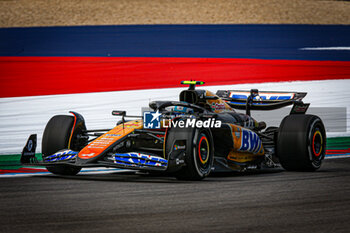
column 317, row 143
column 203, row 149
column 203, row 155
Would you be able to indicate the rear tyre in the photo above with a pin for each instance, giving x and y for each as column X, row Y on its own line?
column 301, row 143
column 56, row 137
column 199, row 157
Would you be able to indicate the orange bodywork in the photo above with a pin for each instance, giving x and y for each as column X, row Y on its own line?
column 96, row 147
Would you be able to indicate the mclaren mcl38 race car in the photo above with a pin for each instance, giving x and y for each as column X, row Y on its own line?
column 188, row 138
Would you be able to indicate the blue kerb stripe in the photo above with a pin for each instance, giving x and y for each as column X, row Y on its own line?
column 202, row 41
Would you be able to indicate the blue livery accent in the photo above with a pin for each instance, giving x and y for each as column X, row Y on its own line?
column 62, row 156
column 142, row 156
column 283, row 98
column 139, row 160
column 250, row 142
column 262, row 97
column 238, row 96
column 243, row 104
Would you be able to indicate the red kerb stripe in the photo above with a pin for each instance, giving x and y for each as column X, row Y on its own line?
column 31, row 76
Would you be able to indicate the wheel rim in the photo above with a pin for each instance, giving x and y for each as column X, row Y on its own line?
column 203, row 149
column 317, row 143
column 203, row 155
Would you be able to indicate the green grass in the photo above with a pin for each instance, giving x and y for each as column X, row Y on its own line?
column 13, row 161
column 339, row 143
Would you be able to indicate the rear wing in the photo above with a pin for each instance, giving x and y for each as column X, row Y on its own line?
column 263, row 100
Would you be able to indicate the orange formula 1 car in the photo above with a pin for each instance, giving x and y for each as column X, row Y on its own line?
column 188, row 138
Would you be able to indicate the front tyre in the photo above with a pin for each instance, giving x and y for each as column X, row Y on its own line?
column 199, row 157
column 56, row 137
column 301, row 143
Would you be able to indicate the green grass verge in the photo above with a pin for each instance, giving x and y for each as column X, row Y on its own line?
column 339, row 143
column 13, row 161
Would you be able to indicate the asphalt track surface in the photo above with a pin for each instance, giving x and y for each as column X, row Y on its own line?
column 267, row 201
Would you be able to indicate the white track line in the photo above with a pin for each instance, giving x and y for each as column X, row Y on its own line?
column 326, row 48
column 337, row 156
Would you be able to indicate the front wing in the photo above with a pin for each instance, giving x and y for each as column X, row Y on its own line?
column 130, row 160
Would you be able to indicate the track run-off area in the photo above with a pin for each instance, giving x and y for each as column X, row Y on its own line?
column 269, row 200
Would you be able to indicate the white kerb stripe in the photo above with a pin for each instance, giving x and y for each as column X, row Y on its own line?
column 326, row 48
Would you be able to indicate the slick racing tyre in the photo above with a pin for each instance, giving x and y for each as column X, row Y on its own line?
column 56, row 137
column 301, row 143
column 199, row 156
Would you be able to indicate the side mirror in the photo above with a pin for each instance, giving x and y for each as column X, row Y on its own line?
column 118, row 113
